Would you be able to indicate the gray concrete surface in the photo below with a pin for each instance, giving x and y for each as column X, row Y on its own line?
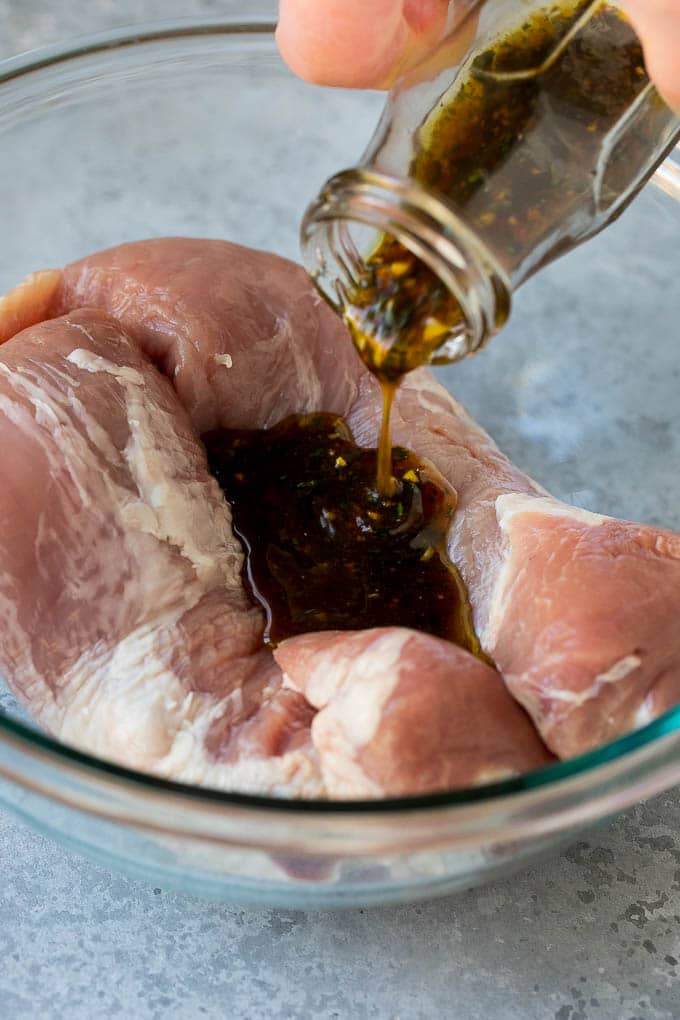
column 594, row 934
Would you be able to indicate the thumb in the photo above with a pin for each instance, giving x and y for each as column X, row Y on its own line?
column 356, row 43
column 657, row 22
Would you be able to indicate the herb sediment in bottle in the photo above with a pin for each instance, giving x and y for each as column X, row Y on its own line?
column 516, row 149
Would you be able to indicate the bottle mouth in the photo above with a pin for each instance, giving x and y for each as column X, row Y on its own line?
column 356, row 208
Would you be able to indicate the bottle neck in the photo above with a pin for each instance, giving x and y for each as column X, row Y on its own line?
column 356, row 208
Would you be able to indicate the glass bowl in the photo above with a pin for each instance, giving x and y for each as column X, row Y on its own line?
column 198, row 129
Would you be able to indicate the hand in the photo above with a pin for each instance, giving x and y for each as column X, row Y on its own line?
column 363, row 44
column 657, row 22
column 358, row 43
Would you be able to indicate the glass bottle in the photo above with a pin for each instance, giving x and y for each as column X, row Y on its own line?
column 527, row 131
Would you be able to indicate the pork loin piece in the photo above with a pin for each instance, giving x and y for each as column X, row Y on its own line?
column 126, row 629
column 401, row 710
column 579, row 611
column 243, row 335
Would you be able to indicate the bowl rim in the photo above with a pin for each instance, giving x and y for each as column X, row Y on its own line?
column 608, row 764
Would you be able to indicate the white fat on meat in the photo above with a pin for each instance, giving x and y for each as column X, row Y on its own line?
column 164, row 509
